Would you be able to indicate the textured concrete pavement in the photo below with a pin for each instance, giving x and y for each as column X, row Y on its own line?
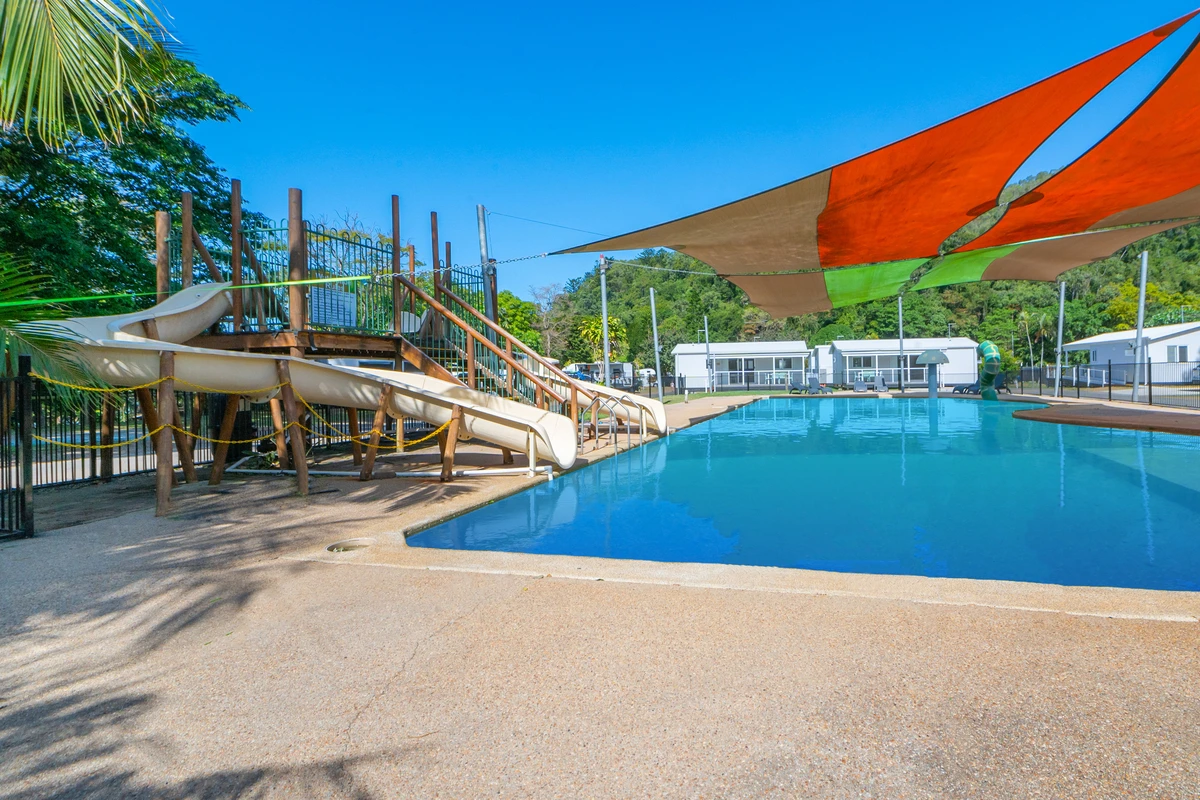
column 196, row 657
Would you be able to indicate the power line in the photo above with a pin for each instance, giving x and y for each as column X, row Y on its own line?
column 550, row 224
column 663, row 269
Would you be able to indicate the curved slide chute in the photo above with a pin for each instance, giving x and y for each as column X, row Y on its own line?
column 123, row 350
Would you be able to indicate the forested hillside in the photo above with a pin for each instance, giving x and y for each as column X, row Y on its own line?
column 1021, row 317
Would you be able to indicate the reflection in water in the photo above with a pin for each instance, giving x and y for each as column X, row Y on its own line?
column 813, row 483
column 1141, row 455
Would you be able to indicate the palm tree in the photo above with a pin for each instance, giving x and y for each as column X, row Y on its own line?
column 64, row 63
column 1023, row 317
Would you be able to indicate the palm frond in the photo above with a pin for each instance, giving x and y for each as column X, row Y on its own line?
column 64, row 62
column 32, row 330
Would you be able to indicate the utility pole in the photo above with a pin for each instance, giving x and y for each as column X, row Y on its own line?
column 1058, row 352
column 1138, row 355
column 489, row 269
column 900, row 309
column 604, row 316
column 657, row 360
column 708, row 365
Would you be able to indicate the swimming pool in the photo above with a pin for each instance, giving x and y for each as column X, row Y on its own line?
column 943, row 488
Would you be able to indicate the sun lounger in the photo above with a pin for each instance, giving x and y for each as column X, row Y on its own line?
column 860, row 385
column 880, row 383
column 966, row 388
column 815, row 387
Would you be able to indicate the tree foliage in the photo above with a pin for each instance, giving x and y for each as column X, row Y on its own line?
column 1019, row 316
column 83, row 216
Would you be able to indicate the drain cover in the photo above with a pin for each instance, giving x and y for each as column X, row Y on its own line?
column 349, row 545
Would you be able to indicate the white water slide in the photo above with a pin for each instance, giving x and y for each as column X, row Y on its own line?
column 122, row 352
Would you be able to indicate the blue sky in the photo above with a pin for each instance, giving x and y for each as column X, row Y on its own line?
column 612, row 116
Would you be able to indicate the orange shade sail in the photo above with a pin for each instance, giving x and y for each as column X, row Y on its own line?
column 1146, row 170
column 904, row 200
column 899, row 202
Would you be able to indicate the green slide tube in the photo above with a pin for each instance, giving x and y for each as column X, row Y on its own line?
column 991, row 368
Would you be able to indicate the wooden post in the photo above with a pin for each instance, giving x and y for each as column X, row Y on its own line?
column 412, row 278
column 385, row 397
column 162, row 254
column 235, row 256
column 184, row 445
column 508, row 371
column 280, row 437
column 399, row 434
column 165, row 469
column 207, row 258
column 299, row 460
column 355, row 442
column 221, row 455
column 108, row 419
column 437, row 270
column 297, row 265
column 447, row 274
column 574, row 404
column 451, row 441
column 472, row 381
column 187, row 248
column 397, row 288
column 257, row 294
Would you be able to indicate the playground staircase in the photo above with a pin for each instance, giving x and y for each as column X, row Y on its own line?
column 481, row 354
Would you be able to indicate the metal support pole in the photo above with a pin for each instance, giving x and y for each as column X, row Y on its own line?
column 606, row 379
column 657, row 349
column 708, row 364
column 397, row 287
column 1138, row 352
column 1058, row 351
column 235, row 256
column 1110, row 380
column 489, row 269
column 25, row 403
column 900, row 311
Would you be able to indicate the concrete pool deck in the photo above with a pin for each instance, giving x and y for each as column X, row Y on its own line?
column 222, row 651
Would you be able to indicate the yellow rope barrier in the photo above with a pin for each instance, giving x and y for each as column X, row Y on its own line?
column 365, row 437
column 152, row 384
column 103, row 389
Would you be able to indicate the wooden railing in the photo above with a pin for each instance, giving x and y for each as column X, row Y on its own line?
column 544, row 390
column 546, row 364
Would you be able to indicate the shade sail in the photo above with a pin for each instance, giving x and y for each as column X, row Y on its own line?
column 897, row 203
column 786, row 295
column 852, row 285
column 1146, row 170
column 792, row 294
column 1037, row 261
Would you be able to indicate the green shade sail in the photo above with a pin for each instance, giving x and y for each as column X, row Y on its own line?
column 853, row 285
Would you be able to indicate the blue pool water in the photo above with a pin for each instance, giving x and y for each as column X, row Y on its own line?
column 954, row 488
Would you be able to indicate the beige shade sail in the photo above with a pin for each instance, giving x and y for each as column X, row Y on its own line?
column 1043, row 260
column 787, row 295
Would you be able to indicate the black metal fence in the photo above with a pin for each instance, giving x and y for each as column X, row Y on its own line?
column 16, row 455
column 102, row 435
column 1174, row 384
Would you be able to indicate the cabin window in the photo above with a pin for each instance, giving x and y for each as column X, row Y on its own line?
column 1183, row 353
column 783, row 363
